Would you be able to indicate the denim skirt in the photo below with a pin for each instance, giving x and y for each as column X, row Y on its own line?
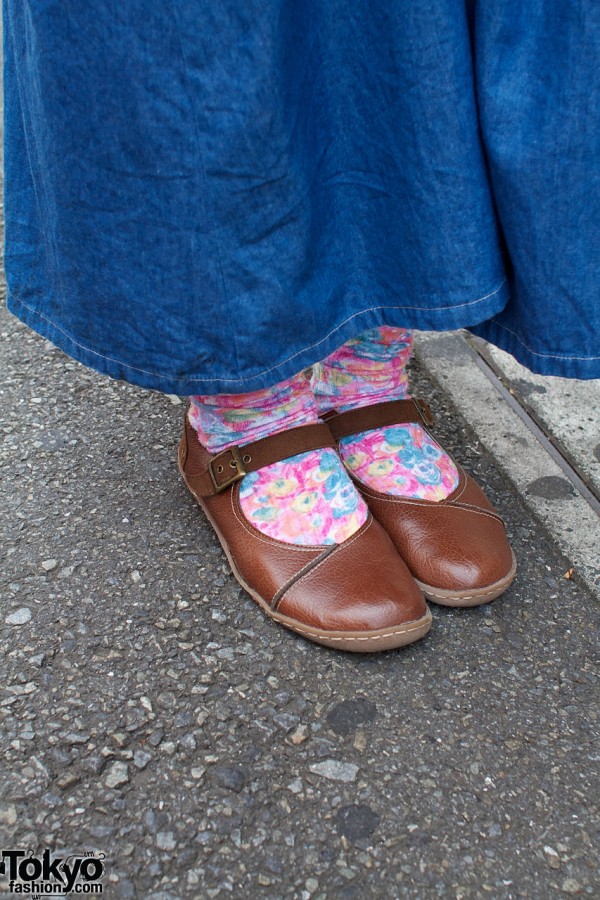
column 210, row 195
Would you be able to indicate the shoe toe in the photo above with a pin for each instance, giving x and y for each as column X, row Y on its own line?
column 473, row 559
column 458, row 552
column 362, row 586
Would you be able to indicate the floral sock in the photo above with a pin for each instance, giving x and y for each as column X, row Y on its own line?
column 305, row 499
column 402, row 460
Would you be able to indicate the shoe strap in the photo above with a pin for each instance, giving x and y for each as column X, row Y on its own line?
column 380, row 415
column 208, row 475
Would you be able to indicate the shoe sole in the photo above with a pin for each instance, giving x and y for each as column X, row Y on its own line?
column 351, row 641
column 473, row 597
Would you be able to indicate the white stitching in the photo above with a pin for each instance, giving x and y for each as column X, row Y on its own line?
column 181, row 380
column 459, row 468
column 535, row 352
column 372, row 309
column 461, row 507
column 450, row 596
column 449, row 502
column 363, row 487
column 477, row 509
column 273, row 541
column 461, row 472
column 411, row 626
column 460, row 493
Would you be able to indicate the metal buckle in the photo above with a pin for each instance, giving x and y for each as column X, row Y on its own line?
column 424, row 411
column 220, row 462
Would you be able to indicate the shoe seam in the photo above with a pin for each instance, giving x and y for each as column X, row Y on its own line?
column 459, row 469
column 338, row 547
column 449, row 502
column 406, row 628
column 462, row 473
column 456, row 595
column 461, row 507
column 469, row 507
column 274, row 602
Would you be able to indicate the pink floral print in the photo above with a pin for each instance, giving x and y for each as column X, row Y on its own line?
column 365, row 370
column 223, row 420
column 307, row 499
column 404, row 461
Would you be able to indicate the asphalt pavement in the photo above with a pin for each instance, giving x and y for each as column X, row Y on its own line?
column 150, row 714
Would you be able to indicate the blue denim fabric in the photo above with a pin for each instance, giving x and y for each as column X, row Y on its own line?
column 207, row 197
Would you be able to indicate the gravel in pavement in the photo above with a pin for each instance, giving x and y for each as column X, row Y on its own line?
column 150, row 711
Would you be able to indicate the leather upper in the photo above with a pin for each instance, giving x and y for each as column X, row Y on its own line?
column 359, row 585
column 459, row 543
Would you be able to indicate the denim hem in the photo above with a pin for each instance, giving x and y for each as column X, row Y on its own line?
column 449, row 318
column 538, row 362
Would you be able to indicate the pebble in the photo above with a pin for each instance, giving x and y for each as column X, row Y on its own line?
column 94, row 763
column 231, row 777
column 286, row 721
column 8, row 815
column 19, row 617
column 20, row 689
column 335, row 770
column 570, row 886
column 360, row 741
column 188, row 742
column 299, row 735
column 169, row 748
column 219, row 616
column 67, row 780
column 101, row 831
column 344, row 717
column 198, row 772
column 77, row 737
column 552, row 857
column 182, row 719
column 49, row 564
column 141, row 759
column 165, row 840
column 118, row 775
column 356, row 822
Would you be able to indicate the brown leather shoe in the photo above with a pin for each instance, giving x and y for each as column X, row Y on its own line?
column 456, row 549
column 356, row 596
